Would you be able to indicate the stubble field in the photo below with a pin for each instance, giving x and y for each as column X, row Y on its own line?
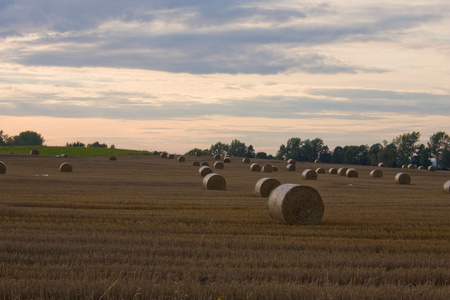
column 143, row 227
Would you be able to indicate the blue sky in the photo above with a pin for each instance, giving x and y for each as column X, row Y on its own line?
column 174, row 75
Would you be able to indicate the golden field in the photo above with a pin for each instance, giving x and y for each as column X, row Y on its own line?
column 143, row 227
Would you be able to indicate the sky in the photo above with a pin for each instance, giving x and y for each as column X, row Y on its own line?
column 173, row 75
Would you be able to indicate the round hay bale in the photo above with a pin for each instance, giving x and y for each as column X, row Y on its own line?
column 155, row 153
column 446, row 187
column 214, row 181
column 217, row 157
column 246, row 160
column 317, row 161
column 34, row 152
column 432, row 168
column 204, row 170
column 2, row 168
column 219, row 165
column 291, row 162
column 255, row 167
column 296, row 204
column 421, row 168
column 170, row 156
column 196, row 163
column 320, row 171
column 411, row 166
column 198, row 153
column 342, row 171
column 274, row 168
column 351, row 173
column 402, row 178
column 65, row 167
column 267, row 168
column 112, row 158
column 227, row 160
column 205, row 163
column 290, row 167
column 163, row 154
column 376, row 173
column 227, row 154
column 181, row 159
column 265, row 186
column 332, row 171
column 381, row 165
column 309, row 174
column 405, row 166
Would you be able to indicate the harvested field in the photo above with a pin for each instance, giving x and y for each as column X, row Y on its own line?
column 143, row 227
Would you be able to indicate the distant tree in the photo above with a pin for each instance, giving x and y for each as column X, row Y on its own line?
column 425, row 157
column 237, row 148
column 112, row 147
column 97, row 145
column 250, row 152
column 374, row 150
column 262, row 155
column 406, row 146
column 204, row 152
column 27, row 138
column 439, row 142
column 388, row 155
column 351, row 155
column 291, row 150
column 338, row 155
column 219, row 148
column 4, row 139
column 311, row 149
column 76, row 144
column 325, row 155
column 445, row 159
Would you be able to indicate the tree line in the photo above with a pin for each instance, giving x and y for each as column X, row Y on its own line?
column 403, row 149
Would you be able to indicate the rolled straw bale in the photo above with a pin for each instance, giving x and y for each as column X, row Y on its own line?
column 205, row 163
column 290, row 167
column 381, row 165
column 274, row 168
column 446, row 187
column 219, row 165
column 112, row 158
column 411, row 166
column 170, row 156
column 296, row 204
column 34, row 152
column 227, row 160
column 198, row 153
column 163, row 154
column 65, row 167
column 317, row 161
column 204, row 170
column 320, row 171
column 255, row 167
column 405, row 166
column 402, row 178
column 246, row 160
column 291, row 162
column 214, row 181
column 421, row 168
column 2, row 168
column 351, row 173
column 342, row 171
column 267, row 168
column 265, row 186
column 309, row 174
column 227, row 154
column 432, row 168
column 332, row 171
column 196, row 163
column 181, row 159
column 376, row 173
column 217, row 157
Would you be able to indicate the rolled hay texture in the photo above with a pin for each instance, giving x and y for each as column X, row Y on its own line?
column 198, row 153
column 217, row 157
column 265, row 186
column 342, row 171
column 255, row 167
column 205, row 163
column 163, row 154
column 204, row 170
column 381, row 165
column 411, row 166
column 290, row 167
column 2, row 168
column 320, row 171
column 332, row 171
column 181, row 159
column 34, row 152
column 376, row 173
column 405, row 166
column 227, row 160
column 274, row 168
column 446, row 187
column 317, row 161
column 309, row 174
column 214, row 181
column 65, row 167
column 402, row 178
column 113, row 158
column 196, row 163
column 351, row 173
column 296, row 204
column 246, row 160
column 219, row 165
column 170, row 156
column 421, row 168
column 267, row 168
column 291, row 162
column 432, row 168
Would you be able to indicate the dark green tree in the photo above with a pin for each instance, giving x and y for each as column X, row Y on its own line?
column 76, row 144
column 291, row 150
column 439, row 142
column 325, row 155
column 237, row 148
column 204, row 152
column 406, row 146
column 219, row 148
column 262, row 155
column 250, row 152
column 425, row 157
column 338, row 155
column 388, row 155
column 4, row 139
column 27, row 138
column 374, row 151
column 445, row 159
column 310, row 149
column 97, row 145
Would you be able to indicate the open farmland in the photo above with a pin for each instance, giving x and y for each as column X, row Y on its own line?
column 143, row 227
